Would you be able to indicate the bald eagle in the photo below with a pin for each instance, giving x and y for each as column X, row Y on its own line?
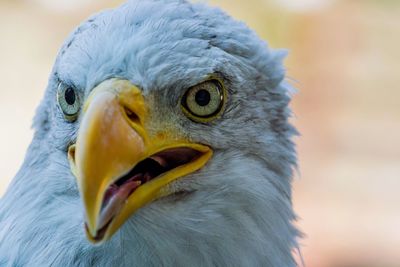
column 162, row 140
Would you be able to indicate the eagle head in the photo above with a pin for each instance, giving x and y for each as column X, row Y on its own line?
column 162, row 139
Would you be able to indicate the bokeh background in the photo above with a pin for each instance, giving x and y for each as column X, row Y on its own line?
column 345, row 61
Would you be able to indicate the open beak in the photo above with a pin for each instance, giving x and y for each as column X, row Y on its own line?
column 120, row 167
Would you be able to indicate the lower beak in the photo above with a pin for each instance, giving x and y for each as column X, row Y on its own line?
column 119, row 166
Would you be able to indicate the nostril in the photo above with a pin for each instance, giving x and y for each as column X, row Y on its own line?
column 132, row 115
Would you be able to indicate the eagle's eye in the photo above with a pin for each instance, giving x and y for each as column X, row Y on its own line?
column 205, row 101
column 68, row 100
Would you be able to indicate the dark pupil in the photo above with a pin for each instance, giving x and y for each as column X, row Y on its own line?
column 70, row 96
column 203, row 97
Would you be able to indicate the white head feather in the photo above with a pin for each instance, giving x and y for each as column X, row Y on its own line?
column 239, row 212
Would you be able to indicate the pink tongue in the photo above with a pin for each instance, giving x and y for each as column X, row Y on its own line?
column 115, row 197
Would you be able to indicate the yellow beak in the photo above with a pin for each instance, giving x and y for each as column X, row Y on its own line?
column 120, row 167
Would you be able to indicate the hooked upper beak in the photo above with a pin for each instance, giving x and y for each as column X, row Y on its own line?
column 120, row 167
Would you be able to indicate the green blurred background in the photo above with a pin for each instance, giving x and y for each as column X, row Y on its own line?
column 344, row 59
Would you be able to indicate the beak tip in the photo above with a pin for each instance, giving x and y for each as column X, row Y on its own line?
column 90, row 234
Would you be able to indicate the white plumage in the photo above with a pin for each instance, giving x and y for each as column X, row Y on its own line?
column 238, row 210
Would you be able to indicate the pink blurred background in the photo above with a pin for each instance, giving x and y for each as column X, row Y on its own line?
column 345, row 57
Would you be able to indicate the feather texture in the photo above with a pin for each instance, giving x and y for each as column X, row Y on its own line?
column 239, row 212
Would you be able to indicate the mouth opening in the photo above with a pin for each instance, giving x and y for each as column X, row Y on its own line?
column 145, row 171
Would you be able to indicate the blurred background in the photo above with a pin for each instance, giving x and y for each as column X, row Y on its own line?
column 345, row 61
